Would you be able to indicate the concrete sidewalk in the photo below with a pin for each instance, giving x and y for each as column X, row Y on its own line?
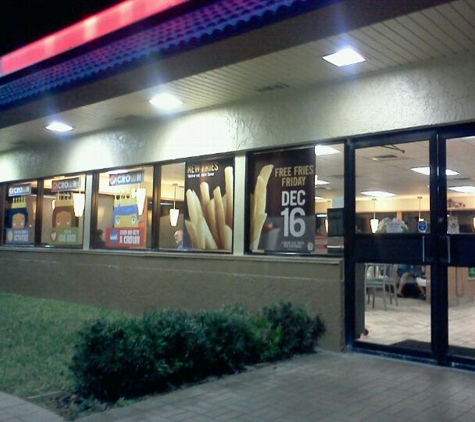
column 323, row 387
column 13, row 409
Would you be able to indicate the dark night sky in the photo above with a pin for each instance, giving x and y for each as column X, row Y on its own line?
column 25, row 21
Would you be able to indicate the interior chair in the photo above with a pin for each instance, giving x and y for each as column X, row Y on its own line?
column 381, row 277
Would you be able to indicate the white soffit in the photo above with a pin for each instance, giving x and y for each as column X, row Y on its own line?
column 438, row 32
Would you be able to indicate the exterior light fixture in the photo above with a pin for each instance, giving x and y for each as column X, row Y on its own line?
column 174, row 212
column 325, row 150
column 59, row 127
column 374, row 222
column 79, row 200
column 166, row 102
column 426, row 171
column 344, row 57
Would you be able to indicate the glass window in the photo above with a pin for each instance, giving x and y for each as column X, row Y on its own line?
column 63, row 210
column 20, row 213
column 124, row 208
column 197, row 205
column 460, row 186
column 172, row 206
column 281, row 185
column 296, row 200
column 392, row 188
column 329, row 199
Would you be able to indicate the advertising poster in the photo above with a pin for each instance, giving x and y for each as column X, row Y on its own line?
column 64, row 223
column 66, row 185
column 209, row 204
column 282, row 206
column 18, row 232
column 129, row 222
column 125, row 237
column 129, row 215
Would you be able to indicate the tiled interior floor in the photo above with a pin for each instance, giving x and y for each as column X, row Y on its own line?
column 411, row 320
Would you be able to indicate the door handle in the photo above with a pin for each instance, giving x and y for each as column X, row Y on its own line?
column 449, row 257
column 423, row 249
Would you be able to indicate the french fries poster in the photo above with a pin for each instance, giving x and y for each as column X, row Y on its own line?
column 209, row 199
column 282, row 202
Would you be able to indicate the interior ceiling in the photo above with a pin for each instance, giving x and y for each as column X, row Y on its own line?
column 438, row 32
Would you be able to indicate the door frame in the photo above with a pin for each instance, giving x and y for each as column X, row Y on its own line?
column 424, row 248
column 436, row 249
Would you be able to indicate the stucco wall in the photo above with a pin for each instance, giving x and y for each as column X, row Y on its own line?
column 145, row 281
column 437, row 92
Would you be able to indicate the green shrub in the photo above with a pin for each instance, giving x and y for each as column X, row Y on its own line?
column 117, row 359
column 136, row 356
column 295, row 331
column 178, row 340
column 229, row 341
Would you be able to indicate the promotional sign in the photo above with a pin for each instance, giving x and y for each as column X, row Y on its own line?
column 209, row 210
column 130, row 178
column 64, row 236
column 282, row 211
column 125, row 237
column 20, row 190
column 66, row 185
column 17, row 236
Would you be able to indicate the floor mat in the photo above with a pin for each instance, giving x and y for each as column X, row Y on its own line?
column 422, row 345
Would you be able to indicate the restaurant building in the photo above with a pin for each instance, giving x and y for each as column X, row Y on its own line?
column 213, row 153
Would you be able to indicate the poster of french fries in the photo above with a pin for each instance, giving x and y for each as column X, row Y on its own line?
column 209, row 199
column 282, row 201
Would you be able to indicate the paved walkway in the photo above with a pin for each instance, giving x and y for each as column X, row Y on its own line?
column 13, row 409
column 323, row 387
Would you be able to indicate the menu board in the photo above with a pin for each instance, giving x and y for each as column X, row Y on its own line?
column 282, row 203
column 209, row 205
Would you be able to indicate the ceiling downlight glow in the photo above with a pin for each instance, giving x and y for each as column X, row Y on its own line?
column 426, row 171
column 378, row 194
column 325, row 150
column 320, row 181
column 344, row 57
column 463, row 189
column 59, row 127
column 166, row 102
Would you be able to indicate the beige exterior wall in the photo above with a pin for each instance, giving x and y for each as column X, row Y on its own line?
column 433, row 93
column 138, row 282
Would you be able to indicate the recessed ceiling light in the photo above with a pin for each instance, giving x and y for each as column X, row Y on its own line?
column 344, row 57
column 325, row 150
column 59, row 127
column 320, row 181
column 166, row 101
column 463, row 189
column 426, row 171
column 378, row 194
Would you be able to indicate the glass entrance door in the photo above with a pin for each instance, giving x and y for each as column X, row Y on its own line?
column 412, row 254
column 392, row 246
column 460, row 244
